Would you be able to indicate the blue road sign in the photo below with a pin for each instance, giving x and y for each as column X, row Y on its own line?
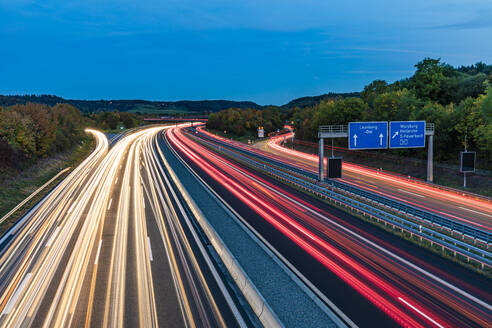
column 368, row 135
column 407, row 134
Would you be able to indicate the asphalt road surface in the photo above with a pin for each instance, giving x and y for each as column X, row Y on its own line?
column 108, row 247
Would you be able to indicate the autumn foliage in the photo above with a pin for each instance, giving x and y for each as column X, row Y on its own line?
column 33, row 131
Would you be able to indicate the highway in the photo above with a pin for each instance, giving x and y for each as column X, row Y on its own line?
column 109, row 247
column 114, row 245
column 376, row 278
column 454, row 205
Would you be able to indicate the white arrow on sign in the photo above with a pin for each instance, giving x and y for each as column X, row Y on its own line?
column 355, row 140
column 380, row 139
column 394, row 135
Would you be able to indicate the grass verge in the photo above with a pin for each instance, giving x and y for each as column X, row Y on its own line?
column 16, row 188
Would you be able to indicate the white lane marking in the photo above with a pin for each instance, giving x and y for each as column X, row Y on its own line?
column 110, row 201
column 467, row 209
column 116, row 181
column 16, row 295
column 98, row 251
column 420, row 312
column 411, row 193
column 150, row 249
column 52, row 238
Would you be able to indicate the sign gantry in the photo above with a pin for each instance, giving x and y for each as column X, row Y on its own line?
column 376, row 135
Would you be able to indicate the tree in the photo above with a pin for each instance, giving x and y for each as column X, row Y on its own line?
column 372, row 90
column 444, row 118
column 112, row 119
column 129, row 120
column 18, row 131
column 428, row 79
column 240, row 121
column 32, row 131
column 483, row 133
column 470, row 86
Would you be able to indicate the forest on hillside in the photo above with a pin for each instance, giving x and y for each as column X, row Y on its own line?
column 182, row 107
column 457, row 100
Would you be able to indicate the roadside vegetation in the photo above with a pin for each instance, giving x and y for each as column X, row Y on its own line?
column 16, row 187
column 238, row 123
column 36, row 142
column 114, row 122
column 32, row 132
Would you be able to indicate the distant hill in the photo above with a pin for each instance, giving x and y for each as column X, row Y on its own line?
column 162, row 107
column 143, row 106
column 314, row 100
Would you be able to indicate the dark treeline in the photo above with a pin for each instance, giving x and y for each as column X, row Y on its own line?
column 33, row 131
column 134, row 106
column 245, row 122
column 458, row 101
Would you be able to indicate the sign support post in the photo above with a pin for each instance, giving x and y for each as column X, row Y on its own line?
column 429, row 131
column 464, row 172
column 468, row 159
column 430, row 157
column 321, row 164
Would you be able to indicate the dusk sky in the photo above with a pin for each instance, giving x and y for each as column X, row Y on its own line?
column 265, row 51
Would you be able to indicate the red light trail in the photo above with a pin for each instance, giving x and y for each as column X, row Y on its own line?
column 410, row 299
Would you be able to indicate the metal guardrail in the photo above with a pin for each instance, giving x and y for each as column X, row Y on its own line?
column 430, row 217
column 333, row 128
column 453, row 225
column 333, row 131
column 458, row 247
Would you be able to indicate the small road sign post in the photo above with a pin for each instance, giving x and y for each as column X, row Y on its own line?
column 467, row 163
column 328, row 131
column 321, row 164
column 261, row 132
column 334, row 167
column 368, row 135
column 407, row 134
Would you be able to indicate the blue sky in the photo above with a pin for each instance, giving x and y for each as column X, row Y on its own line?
column 265, row 51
